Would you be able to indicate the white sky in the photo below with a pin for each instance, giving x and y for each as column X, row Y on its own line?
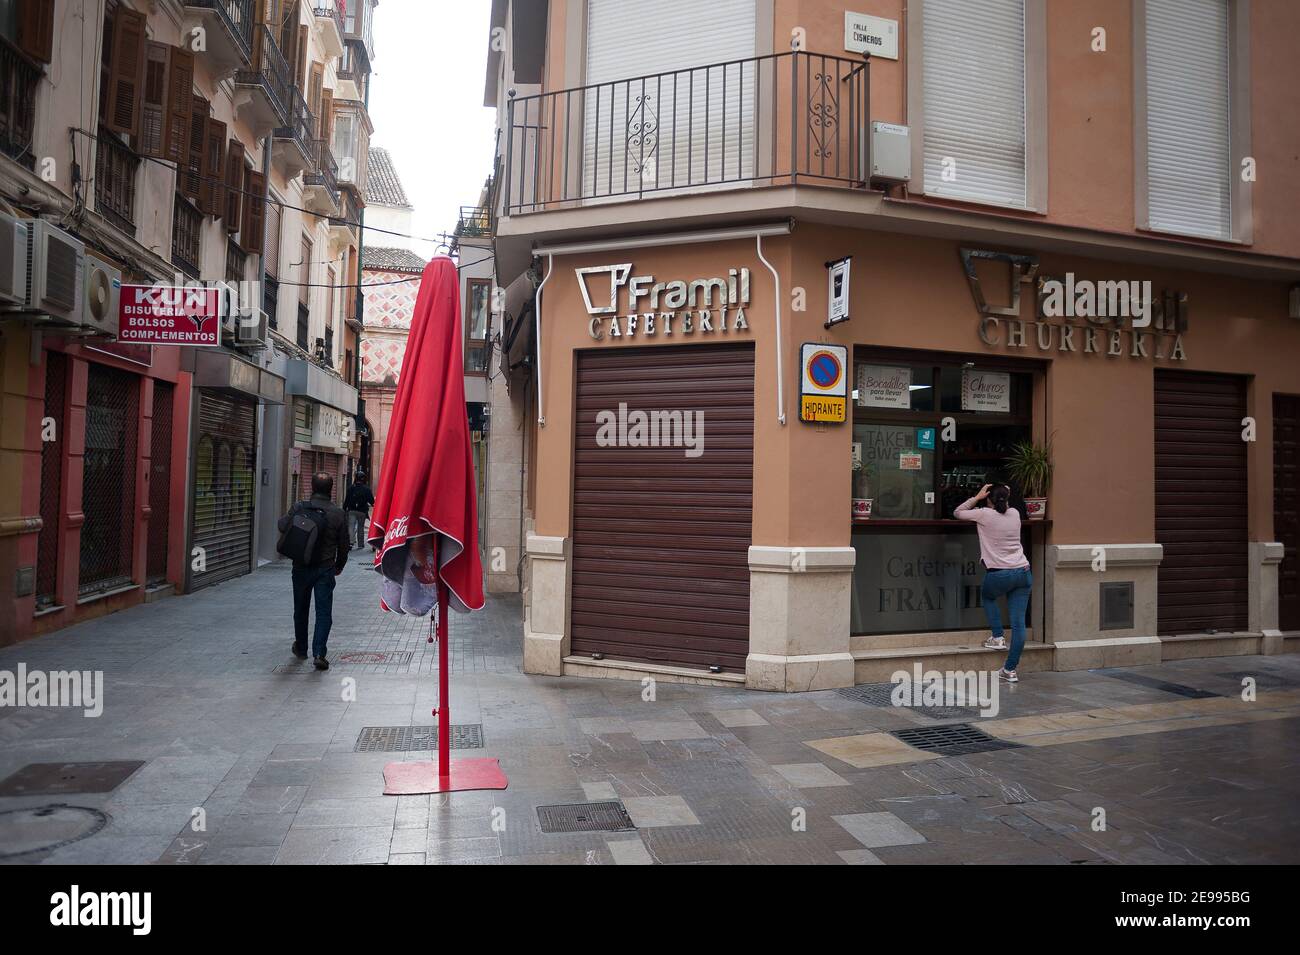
column 426, row 98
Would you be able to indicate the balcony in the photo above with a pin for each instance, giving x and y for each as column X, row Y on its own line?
column 358, row 20
column 352, row 72
column 228, row 33
column 321, row 187
column 115, row 173
column 475, row 222
column 329, row 25
column 263, row 91
column 187, row 223
column 351, row 144
column 343, row 229
column 291, row 144
column 19, row 78
column 794, row 118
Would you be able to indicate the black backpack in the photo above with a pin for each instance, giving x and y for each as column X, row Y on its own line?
column 301, row 538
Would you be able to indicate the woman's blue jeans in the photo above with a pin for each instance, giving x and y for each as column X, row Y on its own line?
column 1016, row 585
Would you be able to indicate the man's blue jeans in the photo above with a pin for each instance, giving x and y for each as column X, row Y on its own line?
column 1016, row 585
column 306, row 582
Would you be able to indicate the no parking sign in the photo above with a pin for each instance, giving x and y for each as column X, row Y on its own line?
column 823, row 392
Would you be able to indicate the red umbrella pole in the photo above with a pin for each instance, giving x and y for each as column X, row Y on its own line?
column 444, row 689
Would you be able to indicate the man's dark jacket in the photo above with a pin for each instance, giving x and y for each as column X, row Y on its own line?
column 332, row 534
column 359, row 499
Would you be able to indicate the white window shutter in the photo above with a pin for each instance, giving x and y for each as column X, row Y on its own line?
column 652, row 135
column 1188, row 164
column 973, row 58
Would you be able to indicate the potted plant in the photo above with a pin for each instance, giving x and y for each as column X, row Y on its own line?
column 861, row 491
column 1030, row 467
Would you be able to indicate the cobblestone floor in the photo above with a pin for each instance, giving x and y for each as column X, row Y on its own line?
column 204, row 691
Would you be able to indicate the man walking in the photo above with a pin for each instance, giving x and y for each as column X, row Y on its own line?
column 358, row 504
column 314, row 534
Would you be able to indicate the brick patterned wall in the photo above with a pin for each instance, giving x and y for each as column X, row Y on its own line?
column 388, row 307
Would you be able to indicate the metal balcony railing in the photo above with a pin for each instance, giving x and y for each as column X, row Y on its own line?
column 237, row 15
column 300, row 125
column 115, row 170
column 331, row 9
column 270, row 71
column 187, row 223
column 19, row 78
column 475, row 221
column 350, row 213
column 781, row 119
column 324, row 170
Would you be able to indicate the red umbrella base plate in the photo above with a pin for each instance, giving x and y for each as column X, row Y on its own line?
column 414, row 779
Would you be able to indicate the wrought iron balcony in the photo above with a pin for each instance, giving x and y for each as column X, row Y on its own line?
column 329, row 20
column 115, row 172
column 19, row 78
column 228, row 25
column 348, row 217
column 321, row 192
column 783, row 119
column 292, row 143
column 474, row 222
column 266, row 85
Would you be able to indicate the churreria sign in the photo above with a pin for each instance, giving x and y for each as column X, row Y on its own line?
column 653, row 309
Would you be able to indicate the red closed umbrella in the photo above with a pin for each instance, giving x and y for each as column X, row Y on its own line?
column 425, row 519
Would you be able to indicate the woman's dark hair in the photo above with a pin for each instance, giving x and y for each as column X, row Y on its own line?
column 999, row 497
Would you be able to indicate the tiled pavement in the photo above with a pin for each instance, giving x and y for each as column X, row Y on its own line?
column 202, row 688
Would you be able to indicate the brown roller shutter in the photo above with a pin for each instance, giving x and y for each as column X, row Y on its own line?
column 1286, row 506
column 225, row 459
column 154, row 104
column 1201, row 502
column 234, row 184
column 251, row 229
column 661, row 540
column 126, row 74
column 212, row 194
column 36, row 29
column 189, row 179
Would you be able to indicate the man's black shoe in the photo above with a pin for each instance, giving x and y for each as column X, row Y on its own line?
column 300, row 652
column 322, row 663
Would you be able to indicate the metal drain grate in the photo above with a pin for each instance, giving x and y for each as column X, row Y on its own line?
column 953, row 739
column 585, row 817
column 879, row 694
column 1155, row 683
column 47, row 779
column 407, row 739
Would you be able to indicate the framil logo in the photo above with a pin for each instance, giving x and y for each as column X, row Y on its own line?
column 704, row 305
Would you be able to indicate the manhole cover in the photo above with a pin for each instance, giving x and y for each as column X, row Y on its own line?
column 42, row 828
column 1155, row 683
column 585, row 817
column 879, row 694
column 952, row 739
column 51, row 779
column 406, row 739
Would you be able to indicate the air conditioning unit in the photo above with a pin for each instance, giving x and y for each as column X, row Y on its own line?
column 101, row 296
column 253, row 330
column 228, row 293
column 13, row 259
column 56, row 267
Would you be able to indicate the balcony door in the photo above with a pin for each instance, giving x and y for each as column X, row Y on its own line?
column 669, row 94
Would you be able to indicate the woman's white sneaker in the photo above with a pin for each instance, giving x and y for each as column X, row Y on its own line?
column 995, row 643
column 1008, row 675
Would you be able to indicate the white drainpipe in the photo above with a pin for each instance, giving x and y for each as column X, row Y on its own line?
column 537, row 332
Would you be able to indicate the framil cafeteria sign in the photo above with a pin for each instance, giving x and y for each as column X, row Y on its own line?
column 1114, row 318
column 650, row 309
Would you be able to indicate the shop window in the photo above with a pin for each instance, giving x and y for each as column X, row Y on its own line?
column 477, row 327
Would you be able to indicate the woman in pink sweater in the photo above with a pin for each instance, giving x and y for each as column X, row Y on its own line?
column 1006, row 569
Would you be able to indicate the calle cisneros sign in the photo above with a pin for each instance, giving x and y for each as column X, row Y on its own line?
column 624, row 306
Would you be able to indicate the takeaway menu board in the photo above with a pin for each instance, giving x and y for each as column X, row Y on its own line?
column 884, row 386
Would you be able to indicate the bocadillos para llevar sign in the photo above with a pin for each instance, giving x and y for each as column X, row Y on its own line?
column 1113, row 318
column 706, row 306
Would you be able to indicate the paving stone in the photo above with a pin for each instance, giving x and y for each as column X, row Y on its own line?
column 629, row 852
column 810, row 775
column 650, row 811
column 738, row 717
column 877, row 829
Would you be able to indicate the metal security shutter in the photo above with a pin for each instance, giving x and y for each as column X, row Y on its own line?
column 973, row 88
column 1188, row 171
column 661, row 540
column 653, row 133
column 109, row 479
column 1200, row 498
column 224, row 487
column 313, row 461
column 160, row 480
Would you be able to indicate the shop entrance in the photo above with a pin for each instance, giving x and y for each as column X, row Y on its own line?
column 1201, row 505
column 1286, row 506
column 661, row 528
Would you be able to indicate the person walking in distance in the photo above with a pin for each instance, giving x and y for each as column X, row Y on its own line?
column 314, row 535
column 1006, row 571
column 358, row 504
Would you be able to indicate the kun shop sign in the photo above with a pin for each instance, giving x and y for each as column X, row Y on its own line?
column 169, row 315
column 626, row 306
